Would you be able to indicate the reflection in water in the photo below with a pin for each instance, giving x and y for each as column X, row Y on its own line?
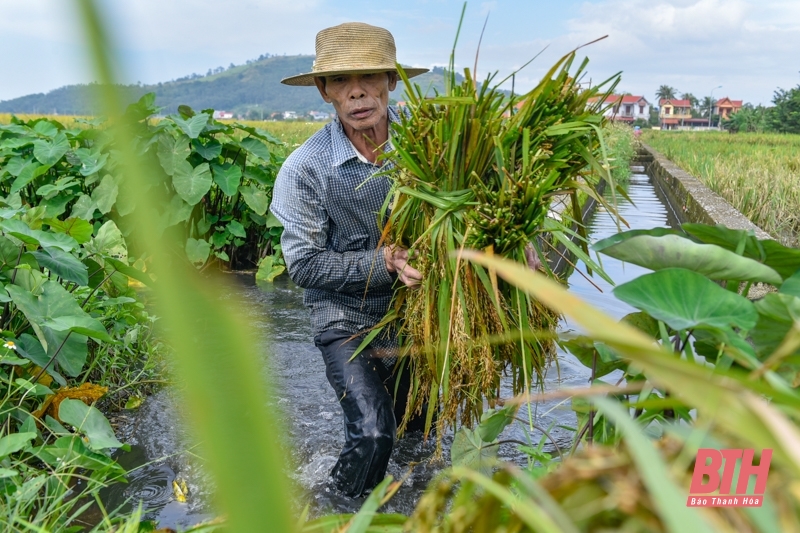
column 313, row 419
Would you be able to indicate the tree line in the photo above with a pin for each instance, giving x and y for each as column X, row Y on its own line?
column 782, row 117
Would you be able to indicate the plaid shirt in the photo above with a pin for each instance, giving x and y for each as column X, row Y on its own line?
column 329, row 205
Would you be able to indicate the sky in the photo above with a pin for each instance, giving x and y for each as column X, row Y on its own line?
column 749, row 47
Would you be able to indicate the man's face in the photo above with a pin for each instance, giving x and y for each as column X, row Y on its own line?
column 360, row 100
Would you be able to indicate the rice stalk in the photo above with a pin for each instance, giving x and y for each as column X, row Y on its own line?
column 474, row 168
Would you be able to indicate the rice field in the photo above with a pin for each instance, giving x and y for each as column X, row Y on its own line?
column 758, row 173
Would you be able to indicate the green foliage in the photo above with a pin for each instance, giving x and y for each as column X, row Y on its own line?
column 785, row 116
column 220, row 178
column 621, row 145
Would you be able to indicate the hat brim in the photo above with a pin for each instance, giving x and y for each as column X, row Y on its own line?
column 307, row 80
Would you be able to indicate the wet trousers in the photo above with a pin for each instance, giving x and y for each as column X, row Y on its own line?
column 373, row 403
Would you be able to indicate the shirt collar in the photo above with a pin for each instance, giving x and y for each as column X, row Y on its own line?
column 343, row 149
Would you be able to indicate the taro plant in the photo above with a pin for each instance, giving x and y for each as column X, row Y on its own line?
column 696, row 303
column 219, row 179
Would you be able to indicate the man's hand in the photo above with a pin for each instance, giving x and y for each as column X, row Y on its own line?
column 397, row 261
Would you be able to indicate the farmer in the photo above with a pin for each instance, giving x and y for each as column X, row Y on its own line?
column 328, row 200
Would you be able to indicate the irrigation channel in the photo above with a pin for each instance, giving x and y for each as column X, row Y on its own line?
column 162, row 451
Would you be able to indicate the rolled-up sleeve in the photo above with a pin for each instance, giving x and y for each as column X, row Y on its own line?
column 310, row 264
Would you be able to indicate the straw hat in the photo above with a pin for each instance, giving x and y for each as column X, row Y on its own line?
column 352, row 48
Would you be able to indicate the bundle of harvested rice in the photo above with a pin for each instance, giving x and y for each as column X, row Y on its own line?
column 475, row 170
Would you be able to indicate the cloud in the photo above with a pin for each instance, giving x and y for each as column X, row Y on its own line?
column 748, row 47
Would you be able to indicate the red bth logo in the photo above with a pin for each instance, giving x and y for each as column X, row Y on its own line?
column 708, row 479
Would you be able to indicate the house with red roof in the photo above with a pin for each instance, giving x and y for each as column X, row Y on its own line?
column 624, row 107
column 674, row 113
column 725, row 107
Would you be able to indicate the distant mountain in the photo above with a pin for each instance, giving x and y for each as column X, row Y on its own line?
column 252, row 89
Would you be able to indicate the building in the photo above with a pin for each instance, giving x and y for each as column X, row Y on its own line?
column 625, row 108
column 289, row 115
column 725, row 107
column 223, row 114
column 319, row 115
column 675, row 114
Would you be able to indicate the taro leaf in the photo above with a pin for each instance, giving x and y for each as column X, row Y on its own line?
column 185, row 111
column 255, row 147
column 84, row 208
column 83, row 325
column 791, row 285
column 55, row 207
column 203, row 225
column 273, row 222
column 28, row 174
column 228, row 177
column 9, row 253
column 172, row 152
column 785, row 260
column 142, row 109
column 193, row 126
column 777, row 314
column 470, row 451
column 90, row 422
column 109, row 240
column 23, row 232
column 14, row 442
column 197, row 250
column 105, row 194
column 45, row 127
column 131, row 272
column 260, row 175
column 494, row 422
column 92, row 161
column 49, row 152
column 126, row 199
column 63, row 265
column 61, row 241
column 672, row 251
column 685, row 299
column 49, row 190
column 178, row 211
column 70, row 347
column 728, row 238
column 625, row 235
column 585, row 350
column 210, row 150
column 16, row 165
column 255, row 198
column 53, row 302
column 70, row 450
column 77, row 228
column 236, row 229
column 643, row 322
column 220, row 238
column 96, row 273
column 192, row 183
column 782, row 259
column 31, row 349
column 268, row 270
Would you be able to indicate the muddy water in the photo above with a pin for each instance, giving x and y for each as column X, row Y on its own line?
column 162, row 449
